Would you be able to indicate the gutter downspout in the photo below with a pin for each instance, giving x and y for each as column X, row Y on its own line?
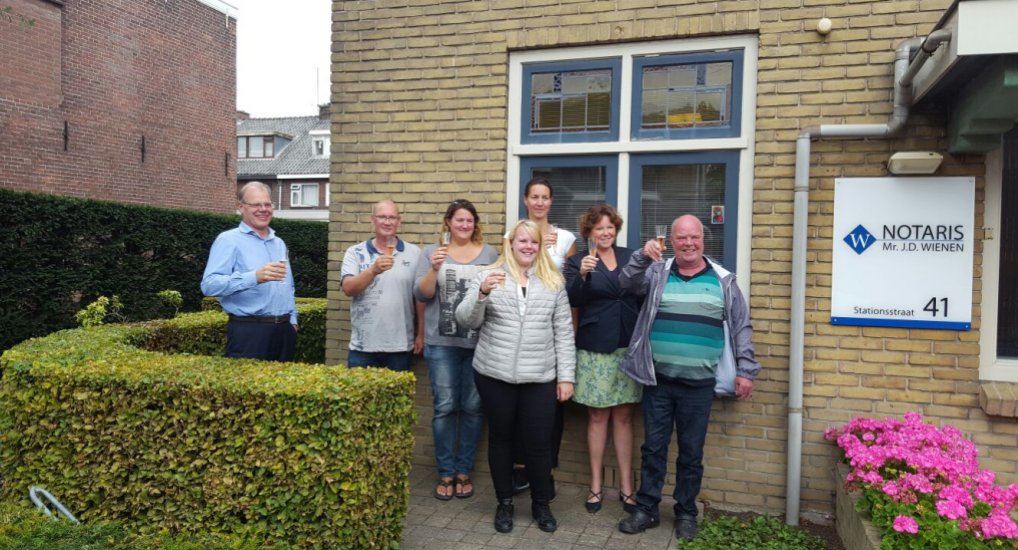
column 904, row 72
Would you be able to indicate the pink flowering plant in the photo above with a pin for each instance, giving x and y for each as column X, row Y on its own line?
column 922, row 485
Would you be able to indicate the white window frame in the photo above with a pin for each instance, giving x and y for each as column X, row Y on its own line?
column 625, row 145
column 297, row 190
column 991, row 367
column 326, row 142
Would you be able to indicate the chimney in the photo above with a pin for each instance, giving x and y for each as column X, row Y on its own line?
column 323, row 111
column 243, row 115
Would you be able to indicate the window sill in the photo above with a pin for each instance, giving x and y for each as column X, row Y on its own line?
column 999, row 398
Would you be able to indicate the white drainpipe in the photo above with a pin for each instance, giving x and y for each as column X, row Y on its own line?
column 904, row 72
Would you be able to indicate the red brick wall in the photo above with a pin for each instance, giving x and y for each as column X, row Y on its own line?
column 116, row 71
column 29, row 59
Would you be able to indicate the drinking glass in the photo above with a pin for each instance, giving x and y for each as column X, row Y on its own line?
column 661, row 232
column 554, row 231
column 592, row 246
column 285, row 260
column 446, row 238
column 390, row 244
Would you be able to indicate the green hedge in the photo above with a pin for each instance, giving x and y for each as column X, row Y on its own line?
column 306, row 454
column 204, row 333
column 26, row 528
column 58, row 254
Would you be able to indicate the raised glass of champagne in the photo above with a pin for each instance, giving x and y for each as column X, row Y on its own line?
column 661, row 232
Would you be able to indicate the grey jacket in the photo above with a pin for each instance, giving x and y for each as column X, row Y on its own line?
column 536, row 348
column 645, row 277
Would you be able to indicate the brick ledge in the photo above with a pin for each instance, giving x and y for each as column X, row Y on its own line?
column 999, row 398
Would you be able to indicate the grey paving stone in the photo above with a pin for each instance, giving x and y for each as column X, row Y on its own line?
column 467, row 523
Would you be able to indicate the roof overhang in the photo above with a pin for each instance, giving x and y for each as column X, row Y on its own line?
column 224, row 7
column 974, row 77
column 269, row 133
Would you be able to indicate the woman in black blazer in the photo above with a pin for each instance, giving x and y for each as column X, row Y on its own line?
column 605, row 319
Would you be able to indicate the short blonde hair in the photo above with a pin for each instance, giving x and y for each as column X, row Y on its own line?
column 253, row 185
column 543, row 268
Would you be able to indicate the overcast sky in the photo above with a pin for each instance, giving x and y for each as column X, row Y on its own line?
column 282, row 56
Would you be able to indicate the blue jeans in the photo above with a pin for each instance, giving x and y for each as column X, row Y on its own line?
column 399, row 361
column 457, row 408
column 689, row 408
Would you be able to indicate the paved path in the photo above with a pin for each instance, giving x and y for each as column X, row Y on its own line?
column 466, row 524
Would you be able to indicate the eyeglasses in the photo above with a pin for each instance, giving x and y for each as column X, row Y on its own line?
column 265, row 205
column 386, row 218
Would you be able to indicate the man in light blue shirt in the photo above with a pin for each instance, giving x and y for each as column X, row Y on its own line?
column 248, row 270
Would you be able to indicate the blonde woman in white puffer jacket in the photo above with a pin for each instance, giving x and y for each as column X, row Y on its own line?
column 524, row 362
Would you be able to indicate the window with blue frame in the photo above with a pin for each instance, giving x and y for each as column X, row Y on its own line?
column 685, row 96
column 704, row 184
column 577, row 181
column 666, row 141
column 573, row 101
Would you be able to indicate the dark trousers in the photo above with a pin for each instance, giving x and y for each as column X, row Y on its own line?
column 556, row 436
column 268, row 341
column 397, row 361
column 689, row 408
column 529, row 408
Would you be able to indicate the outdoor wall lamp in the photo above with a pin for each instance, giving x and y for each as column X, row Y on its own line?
column 914, row 162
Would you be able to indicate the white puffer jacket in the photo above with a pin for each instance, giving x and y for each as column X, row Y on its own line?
column 536, row 348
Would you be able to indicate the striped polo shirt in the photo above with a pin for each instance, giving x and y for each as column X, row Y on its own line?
column 688, row 335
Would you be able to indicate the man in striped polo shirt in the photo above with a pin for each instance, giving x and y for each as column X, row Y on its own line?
column 678, row 342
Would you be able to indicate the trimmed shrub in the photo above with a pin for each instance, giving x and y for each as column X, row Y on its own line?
column 305, row 454
column 25, row 528
column 58, row 254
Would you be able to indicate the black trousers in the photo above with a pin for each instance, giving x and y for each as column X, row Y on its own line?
column 556, row 437
column 268, row 341
column 519, row 408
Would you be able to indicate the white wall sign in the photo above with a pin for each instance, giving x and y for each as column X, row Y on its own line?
column 903, row 252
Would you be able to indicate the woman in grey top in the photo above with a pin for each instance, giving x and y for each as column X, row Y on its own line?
column 444, row 272
column 525, row 361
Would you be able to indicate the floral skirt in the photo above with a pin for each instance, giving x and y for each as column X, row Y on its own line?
column 600, row 383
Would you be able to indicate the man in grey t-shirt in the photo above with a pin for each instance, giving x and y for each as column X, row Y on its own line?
column 379, row 274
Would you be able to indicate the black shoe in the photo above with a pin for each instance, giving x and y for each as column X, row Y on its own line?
column 686, row 528
column 594, row 506
column 504, row 515
column 638, row 522
column 628, row 502
column 542, row 515
column 520, row 481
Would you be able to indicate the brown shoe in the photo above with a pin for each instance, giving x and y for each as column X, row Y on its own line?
column 444, row 484
column 462, row 482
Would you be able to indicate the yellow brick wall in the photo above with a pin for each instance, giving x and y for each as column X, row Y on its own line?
column 419, row 115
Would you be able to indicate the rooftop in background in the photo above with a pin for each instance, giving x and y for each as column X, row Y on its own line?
column 295, row 158
column 291, row 156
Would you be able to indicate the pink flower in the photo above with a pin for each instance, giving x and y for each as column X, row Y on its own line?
column 890, row 489
column 999, row 525
column 950, row 509
column 957, row 494
column 906, row 524
column 922, row 467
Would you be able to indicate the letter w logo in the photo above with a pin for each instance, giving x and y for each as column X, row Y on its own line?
column 859, row 239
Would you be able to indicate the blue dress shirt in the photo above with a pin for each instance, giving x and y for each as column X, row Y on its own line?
column 230, row 274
